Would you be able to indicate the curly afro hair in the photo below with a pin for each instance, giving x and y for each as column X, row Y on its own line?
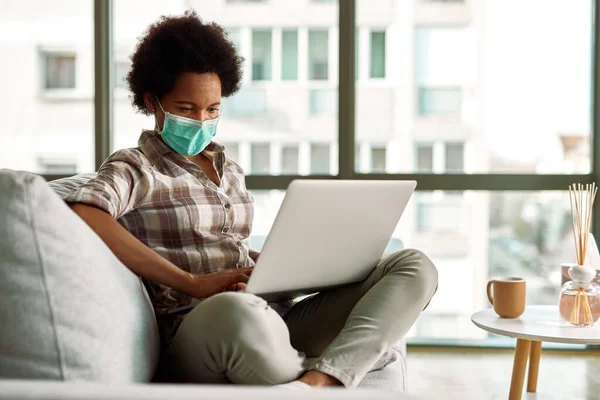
column 176, row 44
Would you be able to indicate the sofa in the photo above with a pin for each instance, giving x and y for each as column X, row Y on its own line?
column 77, row 324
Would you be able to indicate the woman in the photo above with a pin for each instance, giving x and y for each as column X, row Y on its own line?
column 175, row 210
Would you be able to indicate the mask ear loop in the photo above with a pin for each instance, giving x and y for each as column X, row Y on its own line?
column 159, row 131
column 160, row 105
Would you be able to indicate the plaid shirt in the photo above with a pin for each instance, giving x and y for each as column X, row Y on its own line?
column 170, row 205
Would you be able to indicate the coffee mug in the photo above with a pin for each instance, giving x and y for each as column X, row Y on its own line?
column 507, row 295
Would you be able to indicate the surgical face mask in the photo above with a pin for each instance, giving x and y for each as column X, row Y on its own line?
column 187, row 136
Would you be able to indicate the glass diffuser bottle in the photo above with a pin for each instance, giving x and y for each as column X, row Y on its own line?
column 580, row 298
column 579, row 302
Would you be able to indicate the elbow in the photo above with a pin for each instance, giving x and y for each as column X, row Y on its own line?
column 86, row 211
column 78, row 208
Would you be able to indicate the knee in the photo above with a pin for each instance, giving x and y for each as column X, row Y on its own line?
column 237, row 336
column 420, row 267
column 231, row 303
column 227, row 317
column 426, row 270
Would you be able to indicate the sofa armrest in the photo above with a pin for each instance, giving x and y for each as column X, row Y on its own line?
column 55, row 390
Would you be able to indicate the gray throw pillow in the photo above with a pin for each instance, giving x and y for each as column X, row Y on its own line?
column 69, row 310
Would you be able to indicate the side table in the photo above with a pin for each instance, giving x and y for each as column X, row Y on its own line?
column 537, row 324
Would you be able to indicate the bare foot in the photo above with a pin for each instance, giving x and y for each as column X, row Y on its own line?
column 317, row 378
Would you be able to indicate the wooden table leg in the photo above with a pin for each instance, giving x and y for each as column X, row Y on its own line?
column 519, row 367
column 534, row 365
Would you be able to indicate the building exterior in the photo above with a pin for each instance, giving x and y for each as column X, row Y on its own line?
column 441, row 87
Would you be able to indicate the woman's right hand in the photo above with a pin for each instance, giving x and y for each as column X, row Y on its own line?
column 202, row 286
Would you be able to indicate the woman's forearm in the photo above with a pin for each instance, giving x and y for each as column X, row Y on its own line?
column 130, row 251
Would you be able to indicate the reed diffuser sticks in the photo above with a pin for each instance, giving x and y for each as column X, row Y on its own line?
column 582, row 202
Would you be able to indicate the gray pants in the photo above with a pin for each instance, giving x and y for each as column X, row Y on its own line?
column 237, row 337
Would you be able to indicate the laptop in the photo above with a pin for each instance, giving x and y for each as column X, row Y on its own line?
column 327, row 233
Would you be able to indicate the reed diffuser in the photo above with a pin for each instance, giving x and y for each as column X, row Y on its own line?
column 580, row 298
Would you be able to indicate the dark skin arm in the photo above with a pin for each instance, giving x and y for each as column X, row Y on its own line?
column 145, row 262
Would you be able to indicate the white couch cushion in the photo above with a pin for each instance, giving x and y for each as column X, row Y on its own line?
column 70, row 310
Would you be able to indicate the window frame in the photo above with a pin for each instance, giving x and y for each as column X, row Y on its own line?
column 422, row 145
column 265, row 77
column 447, row 147
column 346, row 126
column 283, row 147
column 103, row 128
column 327, row 64
column 373, row 146
column 373, row 31
column 282, row 64
column 52, row 94
column 323, row 145
column 45, row 54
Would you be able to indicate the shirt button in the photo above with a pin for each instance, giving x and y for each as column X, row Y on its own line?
column 239, row 243
column 226, row 229
column 227, row 205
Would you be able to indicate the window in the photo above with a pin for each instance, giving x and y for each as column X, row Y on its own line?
column 377, row 55
column 445, row 63
column 455, row 157
column 121, row 71
column 524, row 232
column 424, row 158
column 289, row 55
column 458, row 79
column 251, row 102
column 440, row 101
column 260, row 159
column 460, row 90
column 320, row 159
column 378, row 155
column 261, row 54
column 59, row 71
column 289, row 159
column 461, row 106
column 323, row 101
column 318, row 54
column 274, row 103
column 47, row 81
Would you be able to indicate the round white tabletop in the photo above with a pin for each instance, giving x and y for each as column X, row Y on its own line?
column 541, row 323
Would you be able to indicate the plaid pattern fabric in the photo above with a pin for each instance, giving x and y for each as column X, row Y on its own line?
column 170, row 205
